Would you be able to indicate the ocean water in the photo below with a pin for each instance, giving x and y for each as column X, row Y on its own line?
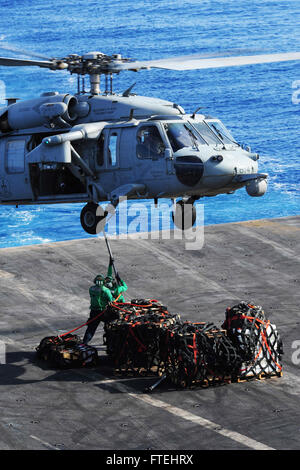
column 255, row 102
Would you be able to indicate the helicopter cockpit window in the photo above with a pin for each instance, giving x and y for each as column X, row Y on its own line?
column 15, row 156
column 206, row 133
column 182, row 135
column 149, row 143
column 222, row 132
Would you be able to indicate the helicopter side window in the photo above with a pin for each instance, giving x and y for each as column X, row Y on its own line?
column 206, row 133
column 149, row 143
column 15, row 156
column 100, row 150
column 112, row 149
column 181, row 135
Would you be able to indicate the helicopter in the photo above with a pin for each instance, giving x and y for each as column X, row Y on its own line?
column 94, row 146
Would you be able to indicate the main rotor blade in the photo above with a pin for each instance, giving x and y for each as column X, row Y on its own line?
column 6, row 47
column 196, row 62
column 54, row 65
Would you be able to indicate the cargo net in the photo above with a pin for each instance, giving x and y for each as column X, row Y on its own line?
column 145, row 339
column 66, row 351
column 197, row 354
column 256, row 340
column 133, row 340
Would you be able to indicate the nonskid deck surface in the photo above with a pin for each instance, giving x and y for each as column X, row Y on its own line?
column 44, row 291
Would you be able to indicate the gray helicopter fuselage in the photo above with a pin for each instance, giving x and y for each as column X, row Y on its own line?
column 81, row 148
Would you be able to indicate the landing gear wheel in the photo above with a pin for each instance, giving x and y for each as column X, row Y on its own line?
column 89, row 218
column 184, row 216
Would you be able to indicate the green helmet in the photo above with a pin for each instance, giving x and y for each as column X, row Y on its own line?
column 109, row 282
column 99, row 279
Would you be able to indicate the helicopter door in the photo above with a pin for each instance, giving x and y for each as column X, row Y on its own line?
column 150, row 150
column 14, row 177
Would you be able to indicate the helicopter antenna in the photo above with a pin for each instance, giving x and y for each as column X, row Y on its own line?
column 127, row 92
column 195, row 112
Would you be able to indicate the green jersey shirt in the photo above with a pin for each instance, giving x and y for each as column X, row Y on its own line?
column 118, row 290
column 100, row 297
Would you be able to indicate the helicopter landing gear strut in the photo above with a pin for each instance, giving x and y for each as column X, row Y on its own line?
column 184, row 214
column 90, row 220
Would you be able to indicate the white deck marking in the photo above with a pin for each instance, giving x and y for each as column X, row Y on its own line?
column 207, row 424
column 46, row 444
column 180, row 413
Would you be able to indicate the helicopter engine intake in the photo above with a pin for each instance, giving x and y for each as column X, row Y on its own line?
column 41, row 111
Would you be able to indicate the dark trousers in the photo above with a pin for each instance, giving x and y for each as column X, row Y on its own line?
column 92, row 327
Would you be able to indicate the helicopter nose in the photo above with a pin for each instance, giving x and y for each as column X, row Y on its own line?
column 222, row 169
column 219, row 170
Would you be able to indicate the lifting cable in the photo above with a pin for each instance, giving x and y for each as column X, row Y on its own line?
column 110, row 254
column 100, row 314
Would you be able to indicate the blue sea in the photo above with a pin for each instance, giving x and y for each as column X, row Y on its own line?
column 255, row 102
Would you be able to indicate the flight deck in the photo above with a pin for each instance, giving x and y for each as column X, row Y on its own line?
column 45, row 291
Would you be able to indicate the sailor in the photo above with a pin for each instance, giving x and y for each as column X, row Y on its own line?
column 118, row 288
column 100, row 296
column 104, row 291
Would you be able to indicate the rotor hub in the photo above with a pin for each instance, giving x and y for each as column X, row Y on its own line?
column 94, row 62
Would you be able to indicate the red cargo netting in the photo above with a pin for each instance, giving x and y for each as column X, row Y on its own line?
column 146, row 339
column 143, row 338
